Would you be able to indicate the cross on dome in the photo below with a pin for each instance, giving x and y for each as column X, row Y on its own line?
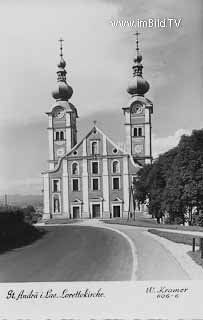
column 63, row 90
column 61, row 47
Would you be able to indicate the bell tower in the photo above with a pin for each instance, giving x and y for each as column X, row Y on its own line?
column 137, row 114
column 62, row 130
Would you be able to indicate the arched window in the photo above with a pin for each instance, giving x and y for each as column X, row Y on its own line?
column 75, row 168
column 135, row 132
column 61, row 135
column 140, row 132
column 57, row 135
column 115, row 166
column 94, row 147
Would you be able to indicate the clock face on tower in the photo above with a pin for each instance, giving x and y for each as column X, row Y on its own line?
column 60, row 152
column 137, row 108
column 138, row 148
column 59, row 113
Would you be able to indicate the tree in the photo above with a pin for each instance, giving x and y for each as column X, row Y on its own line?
column 175, row 180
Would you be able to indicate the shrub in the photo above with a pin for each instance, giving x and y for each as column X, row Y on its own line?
column 14, row 231
column 200, row 220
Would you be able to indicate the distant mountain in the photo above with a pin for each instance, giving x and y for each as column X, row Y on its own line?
column 22, row 200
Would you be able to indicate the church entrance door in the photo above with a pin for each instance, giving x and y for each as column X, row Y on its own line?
column 95, row 210
column 76, row 212
column 116, row 211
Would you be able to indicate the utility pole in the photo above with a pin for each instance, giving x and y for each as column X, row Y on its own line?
column 131, row 203
column 6, row 200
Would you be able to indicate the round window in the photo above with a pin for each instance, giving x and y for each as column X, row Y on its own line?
column 115, row 150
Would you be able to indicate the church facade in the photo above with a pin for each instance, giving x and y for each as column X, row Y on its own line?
column 92, row 178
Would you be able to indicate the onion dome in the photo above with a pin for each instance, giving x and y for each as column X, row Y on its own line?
column 137, row 85
column 63, row 91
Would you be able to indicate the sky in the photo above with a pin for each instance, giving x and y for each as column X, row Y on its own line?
column 99, row 60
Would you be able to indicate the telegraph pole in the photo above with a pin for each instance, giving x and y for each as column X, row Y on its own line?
column 6, row 200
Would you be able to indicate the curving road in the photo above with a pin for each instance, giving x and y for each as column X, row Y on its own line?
column 70, row 253
column 154, row 261
column 91, row 252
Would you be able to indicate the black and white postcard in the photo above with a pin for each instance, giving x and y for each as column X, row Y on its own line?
column 101, row 168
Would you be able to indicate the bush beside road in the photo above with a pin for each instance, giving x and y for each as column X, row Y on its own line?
column 14, row 231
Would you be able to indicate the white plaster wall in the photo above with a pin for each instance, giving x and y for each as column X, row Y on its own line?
column 68, row 132
column 85, row 182
column 65, row 210
column 125, row 183
column 147, row 132
column 46, row 193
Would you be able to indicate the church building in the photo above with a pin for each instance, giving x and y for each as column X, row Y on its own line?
column 92, row 178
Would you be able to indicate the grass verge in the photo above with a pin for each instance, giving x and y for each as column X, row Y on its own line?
column 175, row 237
column 62, row 221
column 151, row 223
column 196, row 257
column 181, row 238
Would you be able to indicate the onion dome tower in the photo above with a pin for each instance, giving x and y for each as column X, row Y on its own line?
column 62, row 130
column 63, row 91
column 138, row 85
column 138, row 114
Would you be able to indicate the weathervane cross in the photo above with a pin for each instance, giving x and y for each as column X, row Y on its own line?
column 61, row 46
column 137, row 40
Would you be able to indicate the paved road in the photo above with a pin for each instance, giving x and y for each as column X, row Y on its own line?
column 70, row 253
column 154, row 261
column 91, row 253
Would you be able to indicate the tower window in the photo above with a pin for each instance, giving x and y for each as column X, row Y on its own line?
column 75, row 168
column 140, row 132
column 116, row 183
column 135, row 132
column 115, row 166
column 57, row 135
column 94, row 147
column 56, row 185
column 95, row 167
column 61, row 135
column 95, row 184
column 75, row 184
